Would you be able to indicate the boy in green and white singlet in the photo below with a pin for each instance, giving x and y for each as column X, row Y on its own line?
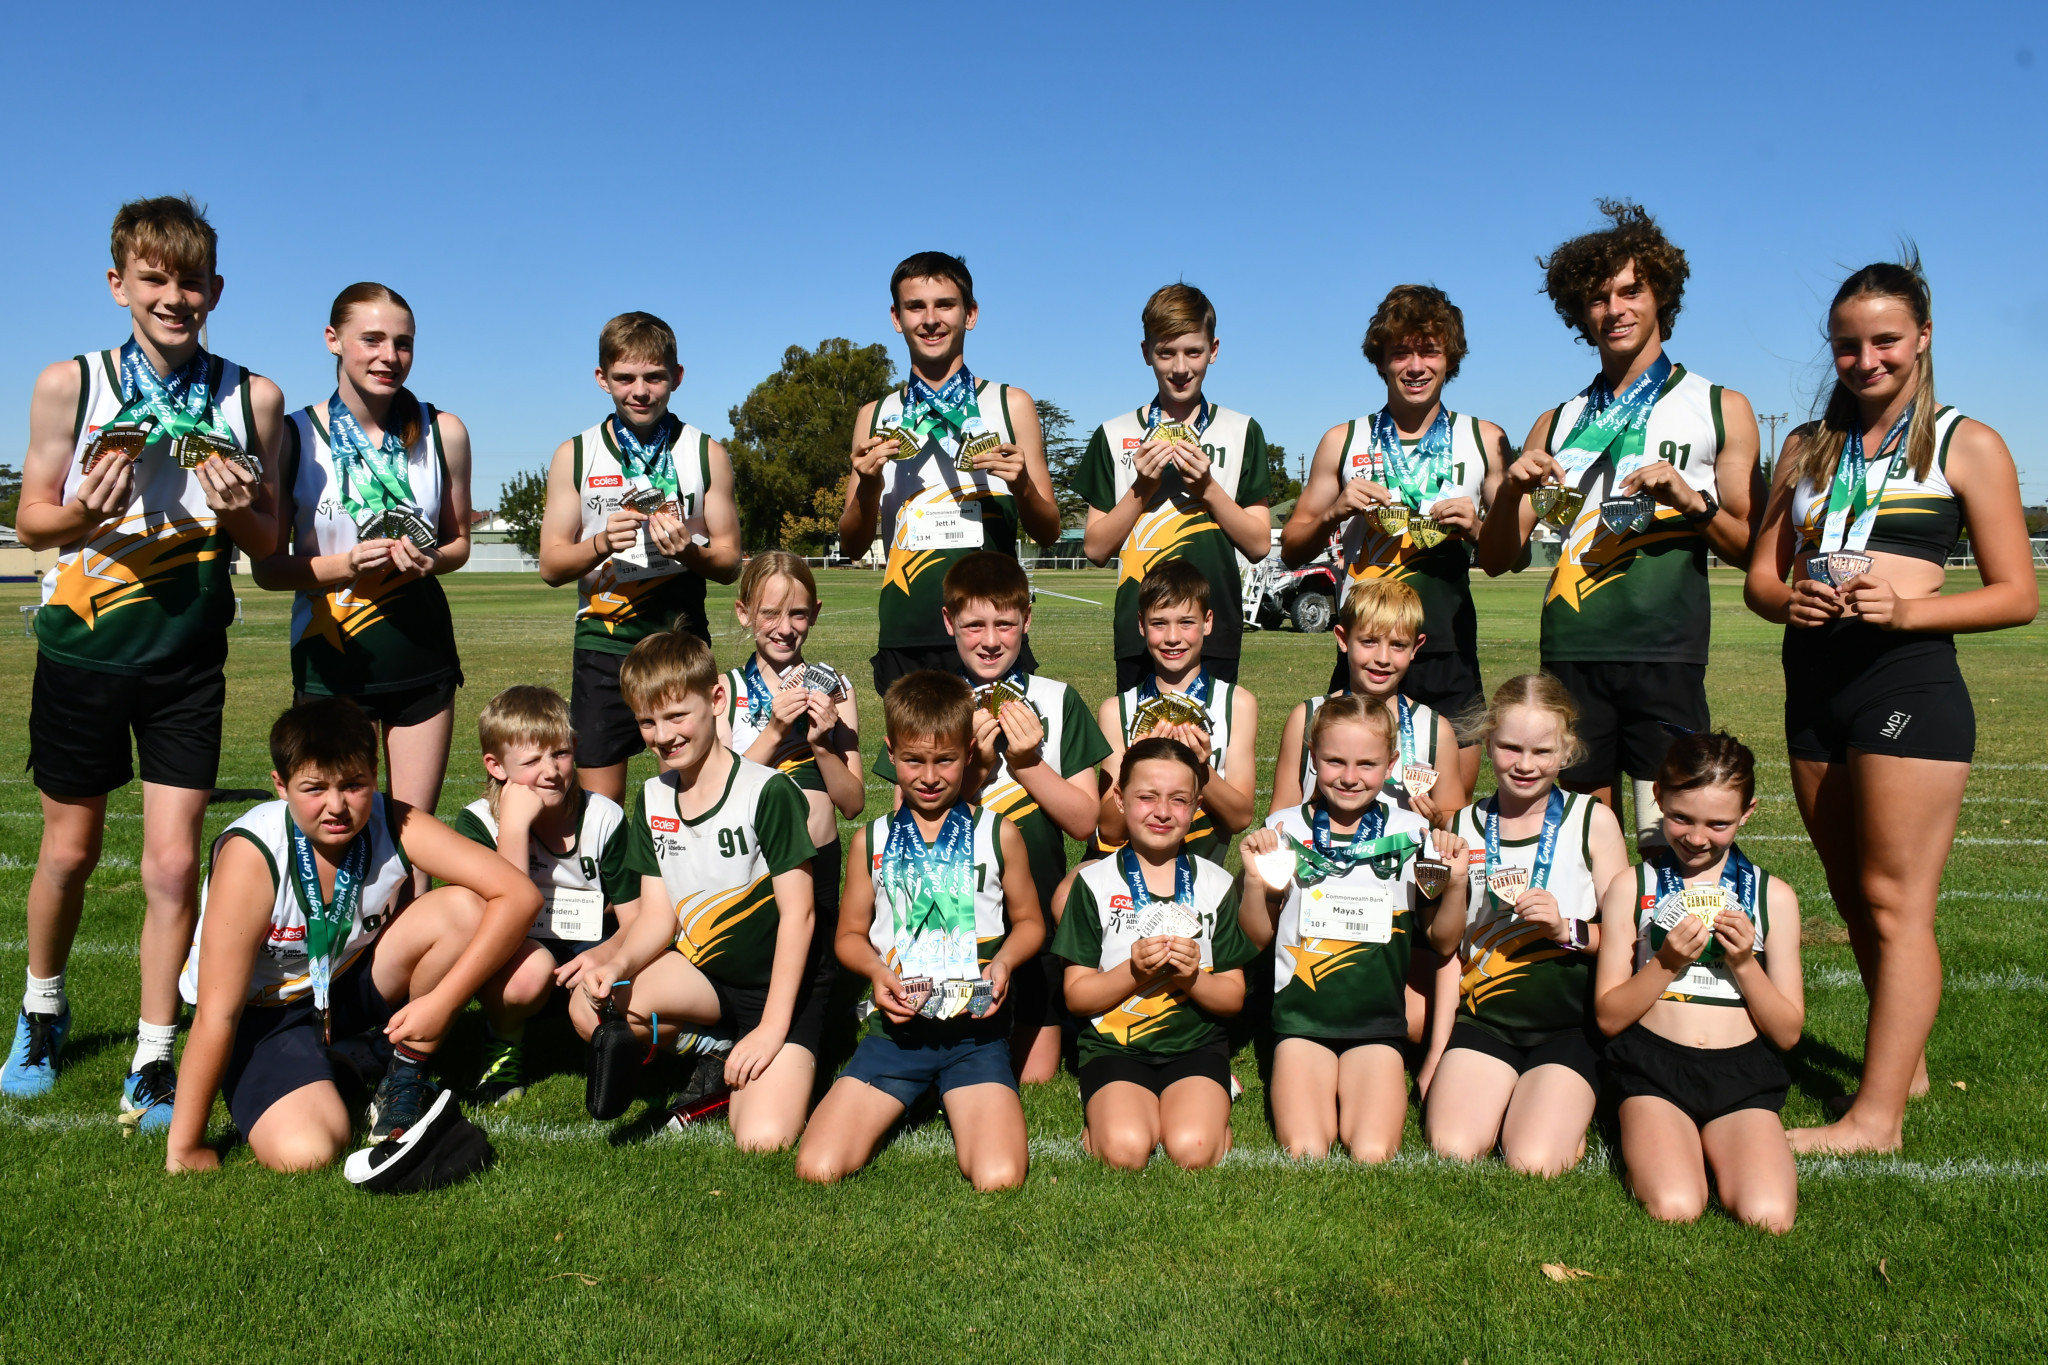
column 943, row 466
column 571, row 842
column 640, row 514
column 1180, row 478
column 721, row 943
column 301, row 945
column 1643, row 473
column 1036, row 747
column 148, row 465
column 1155, row 960
column 939, row 913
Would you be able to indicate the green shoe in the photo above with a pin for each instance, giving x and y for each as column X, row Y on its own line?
column 504, row 1073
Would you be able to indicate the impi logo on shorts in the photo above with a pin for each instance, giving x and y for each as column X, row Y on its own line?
column 1895, row 724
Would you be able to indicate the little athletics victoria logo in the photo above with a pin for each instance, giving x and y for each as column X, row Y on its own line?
column 1895, row 724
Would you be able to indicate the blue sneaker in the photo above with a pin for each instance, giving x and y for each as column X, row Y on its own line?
column 147, row 1097
column 31, row 1066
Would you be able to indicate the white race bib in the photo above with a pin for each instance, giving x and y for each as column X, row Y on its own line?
column 571, row 914
column 940, row 526
column 1357, row 913
column 1702, row 983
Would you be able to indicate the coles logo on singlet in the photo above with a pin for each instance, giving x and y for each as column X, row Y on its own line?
column 1649, row 903
column 1122, row 903
column 288, row 933
column 607, row 480
column 878, row 863
column 1132, row 443
column 667, row 824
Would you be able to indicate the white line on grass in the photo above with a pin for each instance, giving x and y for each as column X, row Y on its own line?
column 2011, row 979
column 1964, row 842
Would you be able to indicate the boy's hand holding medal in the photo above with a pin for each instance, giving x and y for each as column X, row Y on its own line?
column 891, row 998
column 108, row 487
column 229, row 485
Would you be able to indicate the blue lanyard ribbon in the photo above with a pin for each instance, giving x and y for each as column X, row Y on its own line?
column 180, row 402
column 1141, row 894
column 1852, row 509
column 1197, row 691
column 931, row 890
column 328, row 922
column 1546, row 843
column 760, row 703
column 653, row 461
column 1155, row 416
column 1419, row 483
column 386, row 468
column 943, row 413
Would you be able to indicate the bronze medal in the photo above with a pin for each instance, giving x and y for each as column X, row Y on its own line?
column 1418, row 778
column 1432, row 875
column 128, row 439
column 1508, row 883
column 1557, row 504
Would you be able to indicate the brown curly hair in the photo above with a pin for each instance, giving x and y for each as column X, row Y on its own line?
column 1580, row 268
column 1416, row 310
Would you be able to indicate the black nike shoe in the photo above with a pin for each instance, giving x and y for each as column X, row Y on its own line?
column 704, row 1097
column 402, row 1097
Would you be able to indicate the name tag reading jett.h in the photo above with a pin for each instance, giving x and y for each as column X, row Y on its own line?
column 944, row 526
column 571, row 914
column 1349, row 913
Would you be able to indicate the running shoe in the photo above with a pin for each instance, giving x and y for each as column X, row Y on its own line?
column 706, row 1096
column 31, row 1066
column 504, row 1073
column 703, row 1043
column 147, row 1097
column 402, row 1096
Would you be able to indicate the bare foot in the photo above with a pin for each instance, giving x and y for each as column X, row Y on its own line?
column 1847, row 1136
column 1838, row 1105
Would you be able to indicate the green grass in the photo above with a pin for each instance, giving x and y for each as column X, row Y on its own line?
column 698, row 1253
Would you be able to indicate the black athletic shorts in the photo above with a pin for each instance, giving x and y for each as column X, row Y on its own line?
column 401, row 707
column 606, row 732
column 1707, row 1083
column 1576, row 1048
column 1624, row 708
column 279, row 1048
column 741, row 1006
column 1132, row 669
column 79, row 721
column 1447, row 683
column 1397, row 1039
column 891, row 664
column 1211, row 1059
column 1849, row 685
column 1038, row 991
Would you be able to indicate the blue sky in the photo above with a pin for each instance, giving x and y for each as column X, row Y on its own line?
column 752, row 174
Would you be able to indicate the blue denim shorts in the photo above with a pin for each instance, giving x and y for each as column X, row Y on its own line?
column 903, row 1069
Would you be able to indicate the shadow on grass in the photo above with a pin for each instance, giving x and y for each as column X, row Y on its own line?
column 1822, row 1071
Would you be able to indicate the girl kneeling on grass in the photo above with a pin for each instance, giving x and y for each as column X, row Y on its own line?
column 1343, row 869
column 1522, row 1065
column 1699, row 996
column 1155, row 957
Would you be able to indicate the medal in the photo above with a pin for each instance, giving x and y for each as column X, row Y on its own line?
column 399, row 523
column 1508, row 883
column 1704, row 903
column 1817, row 569
column 917, row 993
column 982, row 998
column 1844, row 565
column 1418, row 778
column 1275, row 868
column 1393, row 518
column 649, row 500
column 1630, row 513
column 1557, row 504
column 124, row 438
column 1168, row 708
column 980, row 444
column 992, row 697
column 1738, row 887
column 1432, row 875
column 1174, row 431
column 1168, row 919
column 195, row 448
column 820, row 678
column 906, row 443
column 1426, row 532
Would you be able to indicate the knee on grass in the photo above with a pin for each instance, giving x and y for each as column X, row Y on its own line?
column 1673, row 1205
column 1197, row 1146
column 300, row 1149
column 1773, row 1213
column 1542, row 1158
column 1127, row 1149
column 995, row 1172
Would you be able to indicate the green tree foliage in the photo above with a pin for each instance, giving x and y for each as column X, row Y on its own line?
column 521, row 502
column 1285, row 485
column 790, row 436
column 1063, row 458
column 10, row 494
column 808, row 535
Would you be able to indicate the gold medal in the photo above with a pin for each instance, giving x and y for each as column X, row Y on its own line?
column 972, row 446
column 1557, row 504
column 195, row 448
column 992, row 697
column 1426, row 532
column 1275, row 868
column 1174, row 431
column 1705, row 903
column 1393, row 518
column 906, row 444
column 1431, row 877
column 1508, row 883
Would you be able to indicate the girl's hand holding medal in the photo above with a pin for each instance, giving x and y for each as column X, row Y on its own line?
column 790, row 704
column 1737, row 935
column 1813, row 603
column 1539, row 907
column 228, row 486
column 1683, row 943
column 824, row 714
column 409, row 560
column 1872, row 599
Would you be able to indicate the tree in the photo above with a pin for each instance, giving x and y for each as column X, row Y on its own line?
column 791, row 434
column 1063, row 458
column 10, row 494
column 1284, row 485
column 521, row 501
column 807, row 535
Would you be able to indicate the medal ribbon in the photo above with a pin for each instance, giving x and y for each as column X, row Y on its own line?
column 1155, row 416
column 1141, row 894
column 1404, row 712
column 328, row 922
column 386, row 468
column 1546, row 843
column 180, row 403
column 1614, row 424
column 760, row 702
column 942, row 413
column 931, row 889
column 654, row 463
column 1197, row 691
column 1369, row 843
column 1852, row 508
column 1421, row 481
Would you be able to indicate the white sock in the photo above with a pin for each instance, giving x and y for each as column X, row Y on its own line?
column 45, row 995
column 1649, row 815
column 152, row 1043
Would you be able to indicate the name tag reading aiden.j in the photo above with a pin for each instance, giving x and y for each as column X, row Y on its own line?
column 1361, row 913
column 571, row 914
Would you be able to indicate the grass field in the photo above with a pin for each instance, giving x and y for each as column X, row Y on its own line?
column 594, row 1241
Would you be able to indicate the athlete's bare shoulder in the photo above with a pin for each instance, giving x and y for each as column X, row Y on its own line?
column 59, row 380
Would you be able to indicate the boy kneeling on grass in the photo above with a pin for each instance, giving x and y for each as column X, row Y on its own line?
column 939, row 911
column 298, row 947
column 1155, row 957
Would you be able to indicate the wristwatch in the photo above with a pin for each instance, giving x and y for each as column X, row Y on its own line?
column 1705, row 514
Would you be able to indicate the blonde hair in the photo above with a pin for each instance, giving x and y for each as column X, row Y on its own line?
column 1821, row 442
column 170, row 231
column 667, row 664
column 929, row 704
column 524, row 714
column 1354, row 709
column 768, row 564
column 1375, row 606
column 1539, row 692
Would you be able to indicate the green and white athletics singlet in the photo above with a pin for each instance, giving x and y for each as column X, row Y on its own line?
column 149, row 589
column 376, row 633
column 747, row 707
column 1204, row 839
column 592, row 872
column 640, row 591
column 1641, row 594
column 1439, row 574
column 719, row 867
column 984, row 889
column 1175, row 524
column 1903, row 515
column 1328, row 982
column 1101, row 923
column 1520, row 984
column 1414, row 731
column 283, row 970
column 1659, row 904
column 934, row 515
